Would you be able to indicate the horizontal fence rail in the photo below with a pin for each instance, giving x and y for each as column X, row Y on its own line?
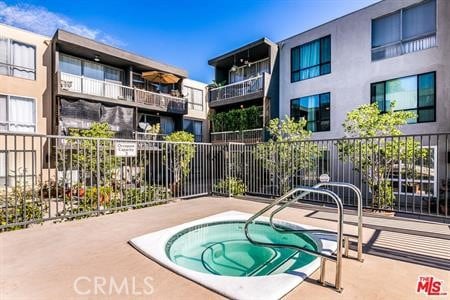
column 244, row 136
column 63, row 178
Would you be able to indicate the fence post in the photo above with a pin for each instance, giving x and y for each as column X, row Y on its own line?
column 211, row 162
column 167, row 168
column 229, row 169
column 244, row 166
column 98, row 176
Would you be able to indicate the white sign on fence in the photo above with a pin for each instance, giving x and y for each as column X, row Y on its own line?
column 125, row 149
column 324, row 178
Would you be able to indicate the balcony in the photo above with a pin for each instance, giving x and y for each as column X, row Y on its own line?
column 248, row 89
column 69, row 84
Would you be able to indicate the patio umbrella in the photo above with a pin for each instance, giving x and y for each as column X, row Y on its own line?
column 160, row 77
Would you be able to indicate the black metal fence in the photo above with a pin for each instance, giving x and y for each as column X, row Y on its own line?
column 408, row 173
column 57, row 178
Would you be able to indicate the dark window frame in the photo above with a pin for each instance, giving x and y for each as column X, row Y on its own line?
column 321, row 63
column 402, row 39
column 198, row 138
column 417, row 100
column 320, row 119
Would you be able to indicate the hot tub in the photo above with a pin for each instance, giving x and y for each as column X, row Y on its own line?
column 215, row 253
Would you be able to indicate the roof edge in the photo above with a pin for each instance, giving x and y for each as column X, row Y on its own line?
column 65, row 36
column 263, row 40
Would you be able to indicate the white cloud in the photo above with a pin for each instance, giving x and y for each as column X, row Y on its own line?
column 38, row 19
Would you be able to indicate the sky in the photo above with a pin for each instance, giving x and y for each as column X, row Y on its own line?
column 181, row 33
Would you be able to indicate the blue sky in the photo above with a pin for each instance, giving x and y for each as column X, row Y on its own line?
column 181, row 33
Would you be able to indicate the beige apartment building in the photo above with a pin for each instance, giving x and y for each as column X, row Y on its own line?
column 25, row 85
column 51, row 85
column 25, row 103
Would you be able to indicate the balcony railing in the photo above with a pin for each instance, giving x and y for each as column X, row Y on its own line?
column 173, row 104
column 237, row 89
column 244, row 136
column 100, row 88
column 89, row 86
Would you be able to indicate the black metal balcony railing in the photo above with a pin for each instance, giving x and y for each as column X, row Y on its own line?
column 100, row 88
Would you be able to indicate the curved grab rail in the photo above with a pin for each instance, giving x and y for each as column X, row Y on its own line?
column 321, row 184
column 337, row 258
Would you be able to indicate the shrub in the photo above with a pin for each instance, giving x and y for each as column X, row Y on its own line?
column 182, row 151
column 377, row 159
column 288, row 152
column 231, row 186
column 22, row 205
column 237, row 119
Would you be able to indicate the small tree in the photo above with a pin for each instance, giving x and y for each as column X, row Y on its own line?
column 87, row 153
column 379, row 154
column 179, row 154
column 288, row 152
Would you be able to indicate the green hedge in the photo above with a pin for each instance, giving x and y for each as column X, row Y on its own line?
column 237, row 119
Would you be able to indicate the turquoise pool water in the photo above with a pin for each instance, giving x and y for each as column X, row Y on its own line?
column 221, row 248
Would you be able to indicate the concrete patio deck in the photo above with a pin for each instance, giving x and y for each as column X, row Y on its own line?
column 42, row 262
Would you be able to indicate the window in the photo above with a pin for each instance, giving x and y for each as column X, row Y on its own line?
column 194, row 97
column 311, row 60
column 17, row 167
column 408, row 30
column 413, row 93
column 17, row 114
column 80, row 67
column 194, row 127
column 252, row 69
column 17, row 59
column 167, row 125
column 314, row 109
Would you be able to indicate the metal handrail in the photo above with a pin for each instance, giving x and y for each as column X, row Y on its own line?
column 321, row 184
column 337, row 258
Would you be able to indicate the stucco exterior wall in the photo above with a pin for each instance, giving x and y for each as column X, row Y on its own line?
column 352, row 70
column 40, row 88
column 197, row 114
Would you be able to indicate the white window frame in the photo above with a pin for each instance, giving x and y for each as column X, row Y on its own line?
column 8, row 122
column 10, row 66
column 190, row 98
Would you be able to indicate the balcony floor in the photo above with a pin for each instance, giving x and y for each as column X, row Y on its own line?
column 43, row 261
